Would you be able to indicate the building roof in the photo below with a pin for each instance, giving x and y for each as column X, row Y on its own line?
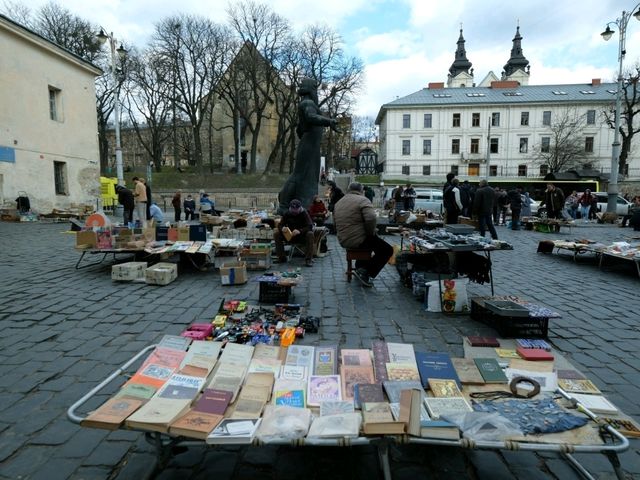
column 523, row 94
column 43, row 41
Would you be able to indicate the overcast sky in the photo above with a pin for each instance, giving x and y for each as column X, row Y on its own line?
column 406, row 44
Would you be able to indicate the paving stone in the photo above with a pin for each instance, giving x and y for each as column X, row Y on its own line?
column 54, row 469
column 91, row 473
column 27, row 461
column 109, row 454
column 138, row 466
column 489, row 465
column 82, row 443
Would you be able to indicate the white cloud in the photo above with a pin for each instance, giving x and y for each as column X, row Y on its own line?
column 395, row 43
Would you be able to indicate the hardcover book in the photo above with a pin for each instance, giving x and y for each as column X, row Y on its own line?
column 212, row 401
column 237, row 354
column 436, row 365
column 380, row 360
column 333, row 408
column 323, row 388
column 401, row 353
column 181, row 387
column 202, row 354
column 411, row 407
column 393, row 388
column 194, row 424
column 112, row 413
column 158, row 367
column 534, row 354
column 351, row 375
column 157, row 414
column 378, row 420
column 490, row 370
column 402, row 371
column 228, row 377
column 293, row 372
column 336, row 426
column 300, row 355
column 467, row 371
column 251, row 401
column 234, row 431
column 438, row 406
column 444, row 388
column 356, row 357
column 326, row 362
column 174, row 341
column 507, row 352
column 595, row 403
column 578, row 386
column 520, row 364
column 477, row 341
column 367, row 392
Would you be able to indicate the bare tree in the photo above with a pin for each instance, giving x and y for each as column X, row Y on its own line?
column 146, row 101
column 250, row 89
column 363, row 130
column 566, row 148
column 340, row 77
column 630, row 108
column 18, row 13
column 199, row 50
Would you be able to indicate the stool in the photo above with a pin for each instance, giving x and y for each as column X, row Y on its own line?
column 356, row 254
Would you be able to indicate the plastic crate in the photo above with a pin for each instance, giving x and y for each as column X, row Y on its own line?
column 510, row 327
column 271, row 292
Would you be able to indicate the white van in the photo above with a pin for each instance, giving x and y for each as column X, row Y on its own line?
column 426, row 199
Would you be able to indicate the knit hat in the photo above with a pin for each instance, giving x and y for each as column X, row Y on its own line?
column 295, row 206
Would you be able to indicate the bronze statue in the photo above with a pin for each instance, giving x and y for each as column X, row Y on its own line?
column 303, row 181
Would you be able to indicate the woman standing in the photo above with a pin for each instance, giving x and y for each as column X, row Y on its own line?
column 585, row 205
column 176, row 201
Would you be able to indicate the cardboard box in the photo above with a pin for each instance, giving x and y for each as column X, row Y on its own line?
column 86, row 239
column 161, row 274
column 256, row 260
column 128, row 272
column 233, row 273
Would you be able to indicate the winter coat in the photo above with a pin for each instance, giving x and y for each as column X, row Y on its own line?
column 483, row 201
column 354, row 219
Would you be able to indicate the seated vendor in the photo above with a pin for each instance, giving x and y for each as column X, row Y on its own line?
column 299, row 223
column 318, row 211
column 156, row 213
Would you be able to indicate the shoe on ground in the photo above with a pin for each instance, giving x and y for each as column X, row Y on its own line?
column 362, row 275
column 308, row 263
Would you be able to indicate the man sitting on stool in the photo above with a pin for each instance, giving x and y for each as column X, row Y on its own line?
column 299, row 224
column 355, row 222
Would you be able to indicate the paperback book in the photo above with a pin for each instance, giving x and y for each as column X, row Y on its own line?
column 112, row 413
column 351, row 375
column 378, row 420
column 490, row 370
column 393, row 388
column 334, row 408
column 467, row 371
column 578, row 386
column 402, row 371
column 438, row 406
column 231, row 431
column 301, row 355
column 325, row 361
column 401, row 353
column 323, row 388
column 356, row 357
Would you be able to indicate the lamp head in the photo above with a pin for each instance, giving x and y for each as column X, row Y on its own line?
column 637, row 14
column 102, row 37
column 122, row 52
column 607, row 33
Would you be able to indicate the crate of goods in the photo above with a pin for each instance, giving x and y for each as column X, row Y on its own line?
column 223, row 256
column 128, row 272
column 272, row 292
column 161, row 274
column 509, row 318
column 233, row 273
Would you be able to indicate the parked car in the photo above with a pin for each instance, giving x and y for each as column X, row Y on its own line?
column 426, row 199
column 622, row 205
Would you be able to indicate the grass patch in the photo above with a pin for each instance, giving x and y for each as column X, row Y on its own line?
column 173, row 180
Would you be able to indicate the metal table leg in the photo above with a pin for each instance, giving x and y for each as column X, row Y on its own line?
column 383, row 457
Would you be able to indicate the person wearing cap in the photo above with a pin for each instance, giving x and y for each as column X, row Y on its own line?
column 355, row 222
column 299, row 222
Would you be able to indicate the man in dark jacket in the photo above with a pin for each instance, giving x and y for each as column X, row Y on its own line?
column 515, row 201
column 125, row 198
column 299, row 226
column 355, row 221
column 554, row 200
column 483, row 208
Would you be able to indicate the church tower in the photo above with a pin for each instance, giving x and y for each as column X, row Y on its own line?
column 517, row 67
column 460, row 72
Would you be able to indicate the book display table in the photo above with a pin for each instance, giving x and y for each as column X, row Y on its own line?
column 587, row 434
column 113, row 252
column 625, row 251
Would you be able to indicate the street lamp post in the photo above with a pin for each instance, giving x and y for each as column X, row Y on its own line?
column 615, row 147
column 102, row 38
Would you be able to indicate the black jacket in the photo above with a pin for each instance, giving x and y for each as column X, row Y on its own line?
column 483, row 201
column 125, row 198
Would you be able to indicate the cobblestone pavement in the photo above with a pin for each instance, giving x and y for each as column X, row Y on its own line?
column 63, row 330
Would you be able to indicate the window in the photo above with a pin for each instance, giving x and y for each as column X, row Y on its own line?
column 455, row 145
column 55, row 106
column 475, row 120
column 546, row 117
column 427, row 120
column 493, row 146
column 522, row 170
column 454, row 169
column 524, row 145
column 406, row 120
column 60, row 177
column 544, row 169
column 493, row 170
column 406, row 170
column 456, row 119
column 545, row 144
column 406, row 147
column 588, row 144
column 475, row 145
column 474, row 94
column 495, row 119
column 591, row 117
column 426, row 169
column 426, row 147
column 524, row 119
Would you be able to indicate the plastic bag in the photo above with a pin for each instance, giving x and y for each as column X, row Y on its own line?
column 283, row 423
column 481, row 426
column 454, row 295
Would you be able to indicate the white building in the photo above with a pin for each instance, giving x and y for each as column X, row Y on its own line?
column 496, row 128
column 48, row 122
